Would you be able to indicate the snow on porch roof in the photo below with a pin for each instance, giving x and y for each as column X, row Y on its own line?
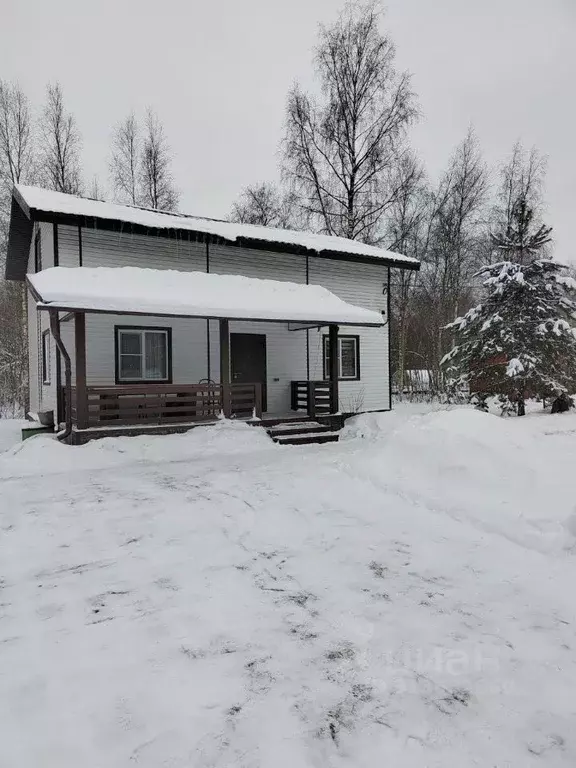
column 132, row 290
column 46, row 201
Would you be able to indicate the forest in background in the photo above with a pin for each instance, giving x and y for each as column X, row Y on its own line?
column 347, row 168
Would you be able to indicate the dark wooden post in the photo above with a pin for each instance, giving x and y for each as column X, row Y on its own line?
column 333, row 372
column 258, row 400
column 225, row 367
column 80, row 350
column 293, row 395
column 311, row 398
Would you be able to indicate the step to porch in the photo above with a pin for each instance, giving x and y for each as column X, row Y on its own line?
column 302, row 433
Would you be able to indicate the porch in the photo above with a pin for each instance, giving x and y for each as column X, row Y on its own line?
column 152, row 406
column 165, row 404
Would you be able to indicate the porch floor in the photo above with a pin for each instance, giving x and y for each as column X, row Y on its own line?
column 268, row 421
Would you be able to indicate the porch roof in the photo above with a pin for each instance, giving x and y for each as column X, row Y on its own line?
column 138, row 291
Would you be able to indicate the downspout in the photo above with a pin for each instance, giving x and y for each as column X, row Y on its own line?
column 388, row 311
column 307, row 330
column 55, row 329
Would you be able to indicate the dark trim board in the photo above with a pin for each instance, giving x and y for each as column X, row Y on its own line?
column 389, row 319
column 55, row 239
column 38, row 251
column 208, row 341
column 45, row 359
column 90, row 311
column 307, row 329
column 167, row 329
column 79, row 246
column 83, row 436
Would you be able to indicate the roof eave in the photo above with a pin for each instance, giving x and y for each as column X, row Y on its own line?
column 241, row 242
column 67, row 307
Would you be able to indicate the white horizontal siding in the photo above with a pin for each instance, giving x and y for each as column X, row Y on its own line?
column 33, row 380
column 101, row 248
column 359, row 284
column 189, row 358
column 285, row 358
column 42, row 396
column 230, row 260
column 364, row 285
column 68, row 246
column 47, row 239
column 33, row 383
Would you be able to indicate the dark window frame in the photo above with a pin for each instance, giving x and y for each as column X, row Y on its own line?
column 165, row 329
column 46, row 362
column 325, row 349
column 38, row 251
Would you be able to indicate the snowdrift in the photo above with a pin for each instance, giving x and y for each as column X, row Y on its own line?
column 509, row 476
column 42, row 455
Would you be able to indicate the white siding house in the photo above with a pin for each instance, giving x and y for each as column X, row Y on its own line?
column 56, row 234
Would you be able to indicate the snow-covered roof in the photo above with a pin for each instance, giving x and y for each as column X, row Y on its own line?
column 132, row 290
column 47, row 201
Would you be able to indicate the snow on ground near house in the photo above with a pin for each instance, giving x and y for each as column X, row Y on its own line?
column 213, row 599
column 11, row 432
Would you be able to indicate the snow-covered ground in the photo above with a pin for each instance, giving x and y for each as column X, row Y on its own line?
column 10, row 432
column 401, row 598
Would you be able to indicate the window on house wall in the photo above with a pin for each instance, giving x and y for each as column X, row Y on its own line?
column 46, row 357
column 143, row 354
column 38, row 252
column 348, row 357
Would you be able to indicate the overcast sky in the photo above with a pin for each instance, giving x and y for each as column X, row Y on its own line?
column 217, row 72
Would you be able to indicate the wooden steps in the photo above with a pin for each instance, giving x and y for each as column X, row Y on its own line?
column 301, row 432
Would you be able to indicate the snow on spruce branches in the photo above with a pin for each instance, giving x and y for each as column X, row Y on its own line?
column 521, row 339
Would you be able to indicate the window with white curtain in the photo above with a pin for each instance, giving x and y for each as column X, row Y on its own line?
column 143, row 354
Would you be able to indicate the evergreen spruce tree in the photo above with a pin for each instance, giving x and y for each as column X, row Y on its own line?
column 523, row 240
column 521, row 339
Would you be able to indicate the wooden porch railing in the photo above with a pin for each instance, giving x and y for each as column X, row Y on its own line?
column 138, row 404
column 314, row 397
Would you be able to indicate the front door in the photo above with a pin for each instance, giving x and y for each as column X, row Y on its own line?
column 248, row 360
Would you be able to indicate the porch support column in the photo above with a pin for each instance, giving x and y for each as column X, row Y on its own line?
column 225, row 367
column 333, row 372
column 80, row 350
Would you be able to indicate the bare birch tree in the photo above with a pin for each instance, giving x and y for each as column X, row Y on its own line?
column 16, row 166
column 266, row 205
column 16, row 150
column 405, row 221
column 124, row 162
column 60, row 145
column 96, row 191
column 453, row 248
column 16, row 139
column 156, row 180
column 521, row 178
column 342, row 151
column 516, row 227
